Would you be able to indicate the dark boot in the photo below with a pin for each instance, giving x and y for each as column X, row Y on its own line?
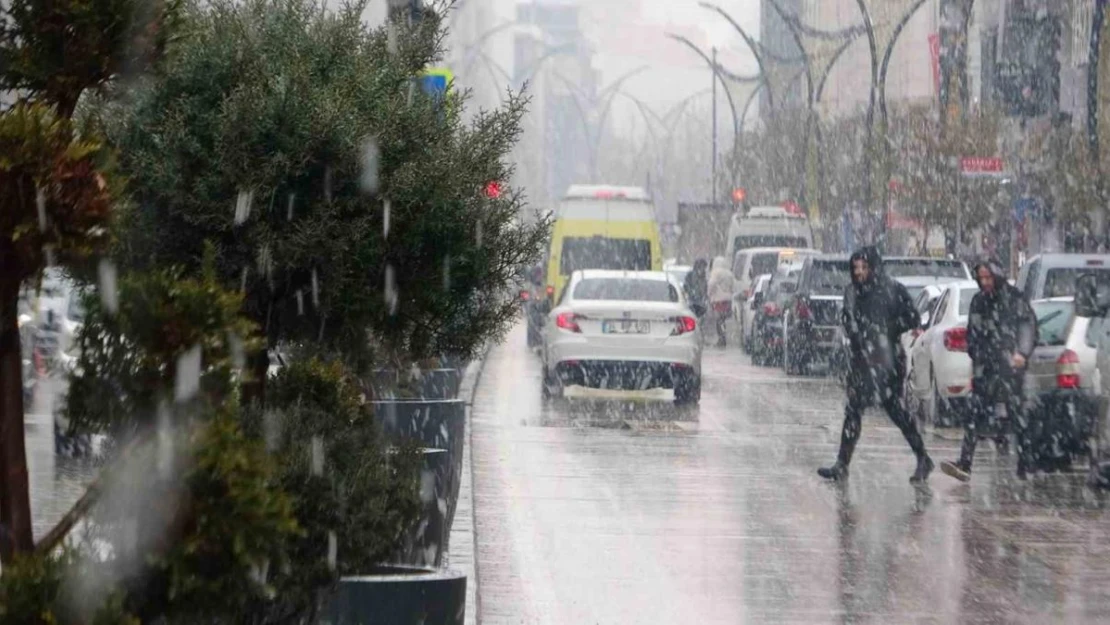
column 924, row 468
column 836, row 472
column 958, row 470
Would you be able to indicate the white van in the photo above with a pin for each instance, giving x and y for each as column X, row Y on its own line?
column 750, row 263
column 768, row 226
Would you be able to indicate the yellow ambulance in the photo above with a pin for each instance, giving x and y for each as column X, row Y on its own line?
column 602, row 227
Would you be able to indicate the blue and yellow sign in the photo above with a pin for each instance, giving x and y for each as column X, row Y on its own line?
column 435, row 82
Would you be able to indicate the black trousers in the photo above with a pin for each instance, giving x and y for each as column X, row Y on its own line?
column 864, row 393
column 990, row 388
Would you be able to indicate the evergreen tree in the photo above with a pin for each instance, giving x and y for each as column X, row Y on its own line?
column 56, row 189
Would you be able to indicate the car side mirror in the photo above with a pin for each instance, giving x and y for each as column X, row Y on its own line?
column 925, row 319
column 1092, row 297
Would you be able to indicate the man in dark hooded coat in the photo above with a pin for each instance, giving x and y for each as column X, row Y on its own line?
column 877, row 311
column 1001, row 335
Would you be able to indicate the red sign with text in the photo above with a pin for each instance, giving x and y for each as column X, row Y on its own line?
column 980, row 165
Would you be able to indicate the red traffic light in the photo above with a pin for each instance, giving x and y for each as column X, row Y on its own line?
column 739, row 195
column 493, row 189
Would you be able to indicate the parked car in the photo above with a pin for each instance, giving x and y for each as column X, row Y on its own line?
column 917, row 272
column 749, row 264
column 748, row 307
column 626, row 330
column 678, row 273
column 1055, row 275
column 1092, row 300
column 938, row 372
column 766, row 343
column 811, row 315
column 1061, row 383
column 924, row 303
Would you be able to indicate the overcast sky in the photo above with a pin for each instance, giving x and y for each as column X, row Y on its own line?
column 630, row 33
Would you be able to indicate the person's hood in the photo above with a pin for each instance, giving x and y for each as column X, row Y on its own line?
column 1000, row 279
column 870, row 254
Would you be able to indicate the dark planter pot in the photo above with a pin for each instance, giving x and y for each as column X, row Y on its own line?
column 433, row 383
column 397, row 595
column 425, row 543
column 435, row 424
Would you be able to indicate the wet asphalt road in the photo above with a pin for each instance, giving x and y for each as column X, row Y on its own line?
column 56, row 481
column 619, row 511
column 604, row 511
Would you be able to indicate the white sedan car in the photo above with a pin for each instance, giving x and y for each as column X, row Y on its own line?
column 626, row 330
column 924, row 303
column 938, row 380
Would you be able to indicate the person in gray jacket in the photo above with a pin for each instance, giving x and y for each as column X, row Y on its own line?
column 1001, row 335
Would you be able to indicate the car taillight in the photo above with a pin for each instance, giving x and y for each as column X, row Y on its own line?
column 682, row 325
column 524, row 295
column 550, row 290
column 771, row 309
column 955, row 339
column 801, row 310
column 1067, row 370
column 568, row 321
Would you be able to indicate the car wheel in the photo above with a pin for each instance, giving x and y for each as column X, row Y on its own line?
column 687, row 391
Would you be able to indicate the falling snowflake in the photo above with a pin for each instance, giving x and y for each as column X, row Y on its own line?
column 164, row 441
column 317, row 456
column 238, row 351
column 187, row 379
column 387, row 207
column 40, row 205
column 391, row 296
column 243, row 206
column 109, row 295
column 289, row 206
column 315, row 289
column 371, row 156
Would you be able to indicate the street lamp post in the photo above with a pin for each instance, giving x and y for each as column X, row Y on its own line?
column 713, row 178
column 718, row 73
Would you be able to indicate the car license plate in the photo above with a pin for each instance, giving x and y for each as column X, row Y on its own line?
column 625, row 326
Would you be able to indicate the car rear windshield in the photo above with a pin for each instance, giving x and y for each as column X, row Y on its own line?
column 768, row 240
column 1052, row 322
column 604, row 253
column 626, row 290
column 1060, row 281
column 829, row 277
column 907, row 267
column 764, row 263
